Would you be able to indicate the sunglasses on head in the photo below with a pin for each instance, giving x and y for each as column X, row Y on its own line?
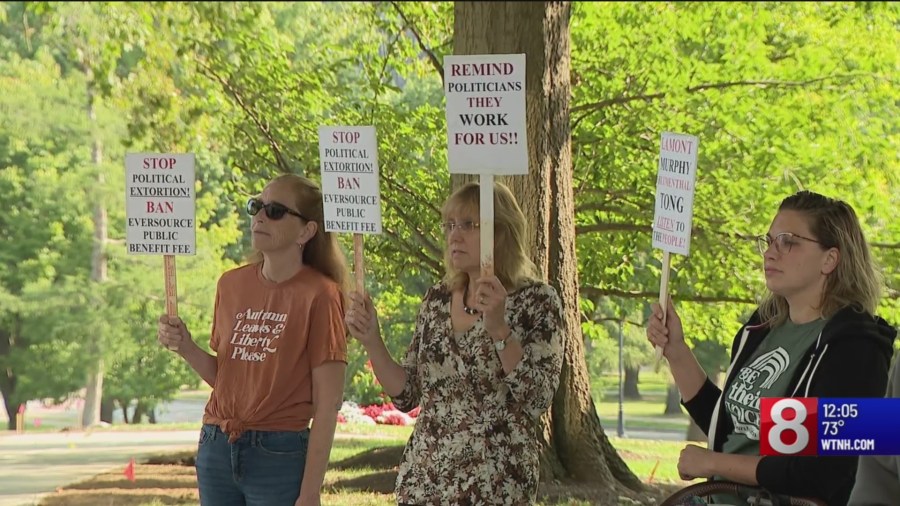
column 274, row 210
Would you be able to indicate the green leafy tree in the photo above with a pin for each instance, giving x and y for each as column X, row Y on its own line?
column 42, row 155
column 781, row 96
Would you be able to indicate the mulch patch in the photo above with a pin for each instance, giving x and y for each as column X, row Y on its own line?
column 382, row 463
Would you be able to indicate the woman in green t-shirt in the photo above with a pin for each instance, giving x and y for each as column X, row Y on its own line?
column 814, row 335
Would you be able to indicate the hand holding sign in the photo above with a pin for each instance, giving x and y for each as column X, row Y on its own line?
column 362, row 319
column 674, row 204
column 664, row 328
column 171, row 332
column 160, row 212
column 490, row 300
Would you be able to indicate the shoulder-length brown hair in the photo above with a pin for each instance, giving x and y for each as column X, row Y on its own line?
column 323, row 252
column 855, row 282
column 512, row 264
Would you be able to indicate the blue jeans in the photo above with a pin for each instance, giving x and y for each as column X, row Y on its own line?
column 261, row 468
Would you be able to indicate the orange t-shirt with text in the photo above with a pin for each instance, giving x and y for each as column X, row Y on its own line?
column 268, row 337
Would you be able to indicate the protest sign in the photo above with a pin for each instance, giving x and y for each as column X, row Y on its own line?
column 160, row 211
column 350, row 187
column 486, row 127
column 673, row 217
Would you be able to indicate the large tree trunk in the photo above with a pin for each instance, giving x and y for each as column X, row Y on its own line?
column 124, row 407
column 94, row 389
column 138, row 412
column 107, row 406
column 575, row 445
column 632, row 374
column 144, row 409
column 8, row 379
column 673, row 400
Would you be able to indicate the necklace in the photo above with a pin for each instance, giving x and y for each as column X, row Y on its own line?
column 467, row 309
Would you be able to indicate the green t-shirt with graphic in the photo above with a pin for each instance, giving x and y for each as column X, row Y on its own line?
column 766, row 374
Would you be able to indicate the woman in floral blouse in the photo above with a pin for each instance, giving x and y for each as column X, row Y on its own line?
column 483, row 364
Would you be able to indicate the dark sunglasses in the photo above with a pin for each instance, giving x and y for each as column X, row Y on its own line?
column 274, row 210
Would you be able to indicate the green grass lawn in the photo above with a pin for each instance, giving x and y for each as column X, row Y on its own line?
column 646, row 414
column 643, row 414
column 643, row 455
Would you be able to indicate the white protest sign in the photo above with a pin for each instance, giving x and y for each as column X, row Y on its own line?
column 160, row 204
column 675, row 193
column 486, row 123
column 674, row 213
column 350, row 188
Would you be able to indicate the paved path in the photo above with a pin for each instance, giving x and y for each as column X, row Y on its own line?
column 660, row 435
column 32, row 465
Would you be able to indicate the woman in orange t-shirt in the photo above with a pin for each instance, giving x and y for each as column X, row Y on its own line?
column 280, row 347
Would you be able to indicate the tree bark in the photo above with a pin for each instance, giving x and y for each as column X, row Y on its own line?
column 124, row 405
column 94, row 389
column 673, row 400
column 107, row 406
column 8, row 379
column 574, row 443
column 630, row 387
column 139, row 410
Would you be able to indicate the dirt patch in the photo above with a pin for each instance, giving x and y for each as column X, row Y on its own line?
column 383, row 457
column 186, row 458
column 119, row 498
column 562, row 492
column 165, row 484
column 377, row 482
column 382, row 482
column 383, row 462
column 170, row 479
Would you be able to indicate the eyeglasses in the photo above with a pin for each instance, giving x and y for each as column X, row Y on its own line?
column 783, row 242
column 274, row 210
column 465, row 226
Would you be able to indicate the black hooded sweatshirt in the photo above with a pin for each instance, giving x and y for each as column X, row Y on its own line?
column 850, row 358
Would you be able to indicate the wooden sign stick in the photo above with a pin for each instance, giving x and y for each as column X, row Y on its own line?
column 171, row 289
column 663, row 295
column 486, row 187
column 358, row 262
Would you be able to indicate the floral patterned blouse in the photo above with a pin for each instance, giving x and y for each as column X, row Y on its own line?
column 477, row 438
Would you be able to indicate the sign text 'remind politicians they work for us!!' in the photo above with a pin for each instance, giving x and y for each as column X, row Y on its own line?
column 486, row 123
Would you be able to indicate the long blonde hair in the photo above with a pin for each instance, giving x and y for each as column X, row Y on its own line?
column 855, row 282
column 512, row 265
column 322, row 252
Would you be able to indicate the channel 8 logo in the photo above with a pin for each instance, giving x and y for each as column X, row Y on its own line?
column 788, row 426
